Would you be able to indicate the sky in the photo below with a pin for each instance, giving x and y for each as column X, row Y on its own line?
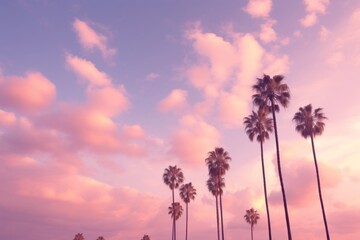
column 97, row 98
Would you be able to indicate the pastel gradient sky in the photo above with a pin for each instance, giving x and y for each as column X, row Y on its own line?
column 97, row 98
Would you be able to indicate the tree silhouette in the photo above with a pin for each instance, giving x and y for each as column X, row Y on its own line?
column 214, row 187
column 258, row 126
column 173, row 177
column 79, row 236
column 187, row 193
column 310, row 123
column 269, row 93
column 251, row 217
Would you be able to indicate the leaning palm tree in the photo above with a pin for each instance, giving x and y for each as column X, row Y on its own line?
column 187, row 193
column 79, row 236
column 259, row 125
column 310, row 123
column 251, row 217
column 218, row 163
column 175, row 211
column 145, row 237
column 173, row 177
column 269, row 94
column 214, row 187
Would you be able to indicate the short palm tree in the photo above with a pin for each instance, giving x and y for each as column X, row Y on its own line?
column 258, row 126
column 145, row 237
column 310, row 123
column 173, row 177
column 79, row 236
column 218, row 163
column 251, row 217
column 269, row 94
column 187, row 193
column 214, row 187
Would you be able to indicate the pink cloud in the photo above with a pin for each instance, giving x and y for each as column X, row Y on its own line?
column 232, row 109
column 30, row 93
column 175, row 101
column 7, row 118
column 267, row 33
column 133, row 131
column 313, row 7
column 193, row 140
column 259, row 8
column 87, row 71
column 90, row 39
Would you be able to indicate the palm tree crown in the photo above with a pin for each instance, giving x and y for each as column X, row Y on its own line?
column 100, row 238
column 187, row 192
column 271, row 91
column 175, row 210
column 258, row 125
column 218, row 161
column 308, row 122
column 215, row 185
column 145, row 237
column 79, row 236
column 173, row 177
column 252, row 216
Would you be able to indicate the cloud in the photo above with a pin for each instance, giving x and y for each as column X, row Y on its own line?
column 259, row 8
column 30, row 93
column 87, row 71
column 324, row 33
column 193, row 140
column 6, row 118
column 133, row 131
column 152, row 76
column 267, row 33
column 90, row 39
column 175, row 101
column 313, row 8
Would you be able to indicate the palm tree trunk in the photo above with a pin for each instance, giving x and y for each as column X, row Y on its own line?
column 319, row 189
column 186, row 233
column 280, row 174
column 174, row 226
column 217, row 217
column 265, row 192
column 221, row 212
column 251, row 229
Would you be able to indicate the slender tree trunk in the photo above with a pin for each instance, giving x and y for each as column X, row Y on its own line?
column 174, row 226
column 251, row 229
column 221, row 212
column 319, row 189
column 186, row 233
column 280, row 174
column 217, row 217
column 265, row 191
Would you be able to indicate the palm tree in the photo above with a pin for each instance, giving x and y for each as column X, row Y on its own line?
column 310, row 123
column 79, row 236
column 187, row 193
column 269, row 93
column 213, row 186
column 173, row 177
column 145, row 237
column 218, row 163
column 100, row 238
column 259, row 125
column 175, row 210
column 251, row 217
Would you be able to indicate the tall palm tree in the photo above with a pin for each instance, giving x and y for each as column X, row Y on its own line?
column 187, row 193
column 251, row 217
column 214, row 187
column 259, row 125
column 79, row 236
column 145, row 237
column 310, row 123
column 269, row 94
column 173, row 177
column 218, row 163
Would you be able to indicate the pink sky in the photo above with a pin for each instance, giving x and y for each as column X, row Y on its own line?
column 96, row 100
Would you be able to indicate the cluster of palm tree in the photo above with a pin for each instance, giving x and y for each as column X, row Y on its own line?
column 80, row 236
column 270, row 94
column 173, row 177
